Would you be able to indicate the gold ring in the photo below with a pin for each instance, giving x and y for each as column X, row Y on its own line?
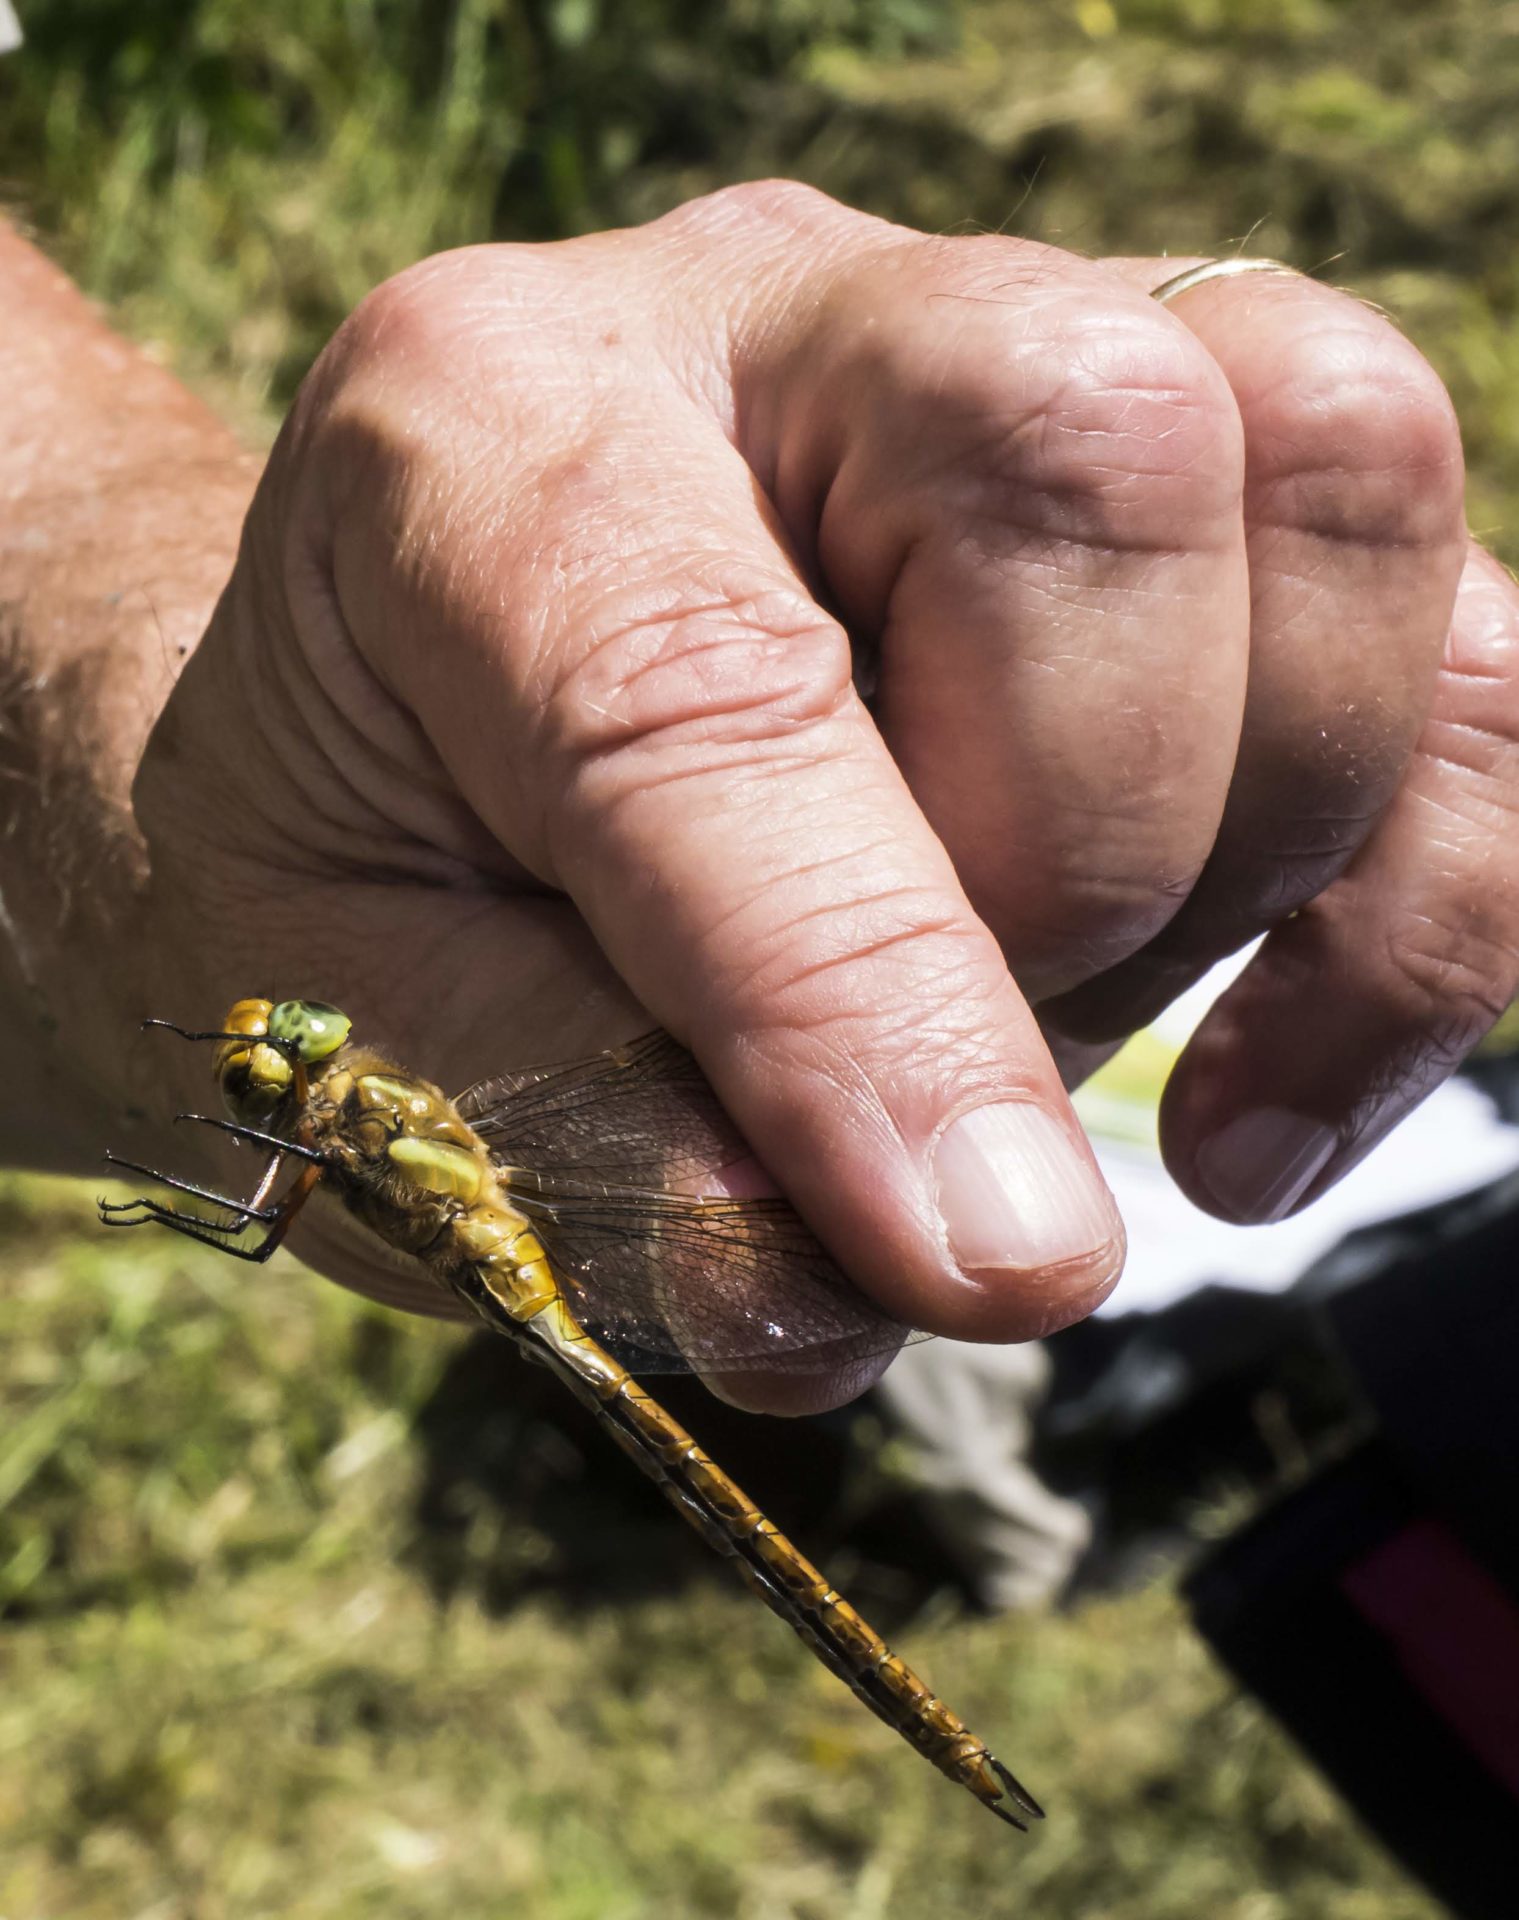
column 1216, row 270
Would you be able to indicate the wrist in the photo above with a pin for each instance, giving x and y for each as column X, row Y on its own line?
column 121, row 500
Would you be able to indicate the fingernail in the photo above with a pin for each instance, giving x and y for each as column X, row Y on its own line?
column 1259, row 1166
column 1014, row 1190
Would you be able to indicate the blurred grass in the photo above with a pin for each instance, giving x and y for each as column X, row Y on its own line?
column 225, row 1687
column 224, row 1691
column 233, row 179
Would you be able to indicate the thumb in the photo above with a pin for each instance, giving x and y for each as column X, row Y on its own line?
column 752, row 862
column 662, row 722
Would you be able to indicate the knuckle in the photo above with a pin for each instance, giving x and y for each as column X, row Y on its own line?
column 1110, row 423
column 1480, row 673
column 475, row 337
column 414, row 316
column 737, row 659
column 755, row 204
column 1106, row 897
column 1472, row 747
column 1359, row 442
column 1453, row 970
column 433, row 393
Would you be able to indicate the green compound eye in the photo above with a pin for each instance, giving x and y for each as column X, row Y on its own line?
column 310, row 1026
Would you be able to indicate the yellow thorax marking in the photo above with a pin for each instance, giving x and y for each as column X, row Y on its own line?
column 438, row 1166
column 403, row 1096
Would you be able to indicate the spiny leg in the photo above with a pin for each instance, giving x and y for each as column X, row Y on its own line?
column 280, row 1216
column 291, row 1147
column 205, row 1234
column 196, row 1193
column 252, row 1210
column 243, row 1212
column 145, row 1211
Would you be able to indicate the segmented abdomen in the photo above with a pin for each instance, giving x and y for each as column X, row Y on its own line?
column 731, row 1523
column 418, row 1174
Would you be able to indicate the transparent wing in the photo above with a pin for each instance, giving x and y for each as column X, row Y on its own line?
column 602, row 1154
column 641, row 1115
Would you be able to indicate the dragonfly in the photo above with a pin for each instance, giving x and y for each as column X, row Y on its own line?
column 562, row 1205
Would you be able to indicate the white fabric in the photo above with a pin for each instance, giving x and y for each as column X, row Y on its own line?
column 966, row 1414
column 1454, row 1143
column 1451, row 1145
column 10, row 28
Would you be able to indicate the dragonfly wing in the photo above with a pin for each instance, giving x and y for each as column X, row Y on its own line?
column 608, row 1154
column 675, row 1283
column 641, row 1115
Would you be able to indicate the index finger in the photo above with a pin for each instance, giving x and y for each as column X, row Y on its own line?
column 644, row 702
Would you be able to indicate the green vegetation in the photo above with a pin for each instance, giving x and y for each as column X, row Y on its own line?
column 232, row 179
column 229, row 1686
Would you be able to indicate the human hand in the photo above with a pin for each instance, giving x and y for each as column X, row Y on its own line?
column 530, row 698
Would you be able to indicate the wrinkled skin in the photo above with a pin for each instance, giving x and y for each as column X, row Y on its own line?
column 898, row 665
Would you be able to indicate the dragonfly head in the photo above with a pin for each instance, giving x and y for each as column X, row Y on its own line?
column 257, row 1069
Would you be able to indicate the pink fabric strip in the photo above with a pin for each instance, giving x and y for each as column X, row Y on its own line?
column 1455, row 1633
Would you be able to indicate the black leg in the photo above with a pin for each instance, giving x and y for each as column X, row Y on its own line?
column 146, row 1210
column 286, row 1047
column 252, row 1212
column 252, row 1133
column 185, row 1033
column 216, row 1233
column 181, row 1223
